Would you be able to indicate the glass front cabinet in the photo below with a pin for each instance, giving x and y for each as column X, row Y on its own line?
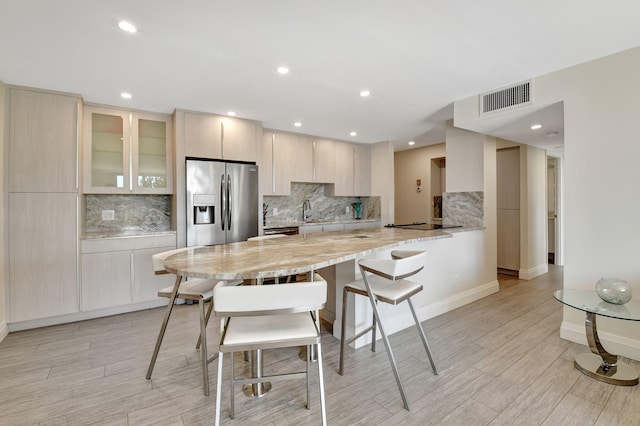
column 126, row 152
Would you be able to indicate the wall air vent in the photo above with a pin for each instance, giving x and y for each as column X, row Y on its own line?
column 507, row 98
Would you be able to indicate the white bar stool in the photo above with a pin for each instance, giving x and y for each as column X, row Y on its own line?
column 386, row 284
column 197, row 289
column 267, row 317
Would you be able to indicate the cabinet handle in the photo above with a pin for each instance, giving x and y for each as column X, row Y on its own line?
column 273, row 163
column 130, row 153
column 313, row 161
column 132, row 275
column 78, row 114
column 222, row 139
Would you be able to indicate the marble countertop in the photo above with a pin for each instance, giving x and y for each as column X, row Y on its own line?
column 124, row 234
column 292, row 254
column 272, row 225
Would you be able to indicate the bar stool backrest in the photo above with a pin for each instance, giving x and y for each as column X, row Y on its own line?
column 404, row 264
column 270, row 299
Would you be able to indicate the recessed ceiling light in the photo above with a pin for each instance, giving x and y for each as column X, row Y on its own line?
column 412, row 143
column 282, row 70
column 297, row 124
column 127, row 27
column 231, row 113
column 354, row 133
column 536, row 127
column 365, row 93
column 125, row 95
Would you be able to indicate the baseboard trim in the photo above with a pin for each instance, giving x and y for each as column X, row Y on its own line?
column 81, row 316
column 531, row 273
column 614, row 343
column 398, row 323
column 4, row 330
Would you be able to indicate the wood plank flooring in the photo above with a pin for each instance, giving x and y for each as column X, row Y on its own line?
column 501, row 362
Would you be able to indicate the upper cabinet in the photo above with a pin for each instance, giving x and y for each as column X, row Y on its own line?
column 343, row 184
column 323, row 161
column 219, row 137
column 290, row 157
column 43, row 141
column 361, row 170
column 352, row 170
column 127, row 152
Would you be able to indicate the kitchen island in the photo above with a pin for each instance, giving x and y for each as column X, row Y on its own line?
column 455, row 274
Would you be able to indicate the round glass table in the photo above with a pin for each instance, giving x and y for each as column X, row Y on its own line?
column 600, row 364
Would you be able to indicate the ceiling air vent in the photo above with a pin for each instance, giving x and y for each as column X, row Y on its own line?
column 509, row 97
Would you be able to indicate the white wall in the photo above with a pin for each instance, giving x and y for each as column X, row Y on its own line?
column 3, row 185
column 600, row 176
column 409, row 165
column 471, row 166
column 465, row 153
column 533, row 212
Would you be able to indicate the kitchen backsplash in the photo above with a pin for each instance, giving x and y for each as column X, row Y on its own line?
column 323, row 208
column 463, row 208
column 145, row 213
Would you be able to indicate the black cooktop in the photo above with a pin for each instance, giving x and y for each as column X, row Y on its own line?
column 423, row 226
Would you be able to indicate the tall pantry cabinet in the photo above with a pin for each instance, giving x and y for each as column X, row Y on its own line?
column 42, row 131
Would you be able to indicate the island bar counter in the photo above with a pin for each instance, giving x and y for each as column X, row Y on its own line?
column 290, row 255
column 457, row 271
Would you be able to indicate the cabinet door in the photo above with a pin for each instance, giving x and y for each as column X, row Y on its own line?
column 107, row 156
column 361, row 170
column 239, row 140
column 301, row 159
column 202, row 135
column 309, row 229
column 106, row 279
column 333, row 227
column 42, row 255
column 277, row 160
column 323, row 161
column 146, row 283
column 43, row 137
column 344, row 172
column 152, row 154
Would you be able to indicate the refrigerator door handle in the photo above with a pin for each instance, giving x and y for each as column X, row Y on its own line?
column 223, row 201
column 229, row 203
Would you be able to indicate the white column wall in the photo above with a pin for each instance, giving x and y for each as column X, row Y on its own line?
column 533, row 207
column 601, row 176
column 465, row 165
column 4, row 200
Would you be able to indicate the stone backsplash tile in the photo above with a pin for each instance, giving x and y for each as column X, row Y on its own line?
column 323, row 208
column 145, row 213
column 463, row 208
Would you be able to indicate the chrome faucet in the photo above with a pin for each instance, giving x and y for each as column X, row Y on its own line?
column 306, row 207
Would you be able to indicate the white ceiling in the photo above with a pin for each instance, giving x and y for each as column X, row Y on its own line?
column 415, row 56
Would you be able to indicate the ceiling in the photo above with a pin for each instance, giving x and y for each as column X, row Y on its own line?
column 416, row 57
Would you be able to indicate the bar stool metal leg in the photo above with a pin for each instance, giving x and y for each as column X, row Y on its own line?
column 163, row 328
column 387, row 346
column 423, row 337
column 203, row 347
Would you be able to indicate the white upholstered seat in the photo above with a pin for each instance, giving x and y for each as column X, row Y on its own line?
column 198, row 289
column 266, row 317
column 384, row 280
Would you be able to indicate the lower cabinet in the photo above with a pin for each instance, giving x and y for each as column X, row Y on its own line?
column 119, row 271
column 328, row 227
column 361, row 225
column 43, row 255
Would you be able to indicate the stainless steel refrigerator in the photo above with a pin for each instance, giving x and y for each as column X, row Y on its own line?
column 222, row 201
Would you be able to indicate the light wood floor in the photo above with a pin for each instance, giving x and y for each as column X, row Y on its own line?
column 501, row 362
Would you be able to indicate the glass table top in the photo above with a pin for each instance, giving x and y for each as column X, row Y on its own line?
column 589, row 301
